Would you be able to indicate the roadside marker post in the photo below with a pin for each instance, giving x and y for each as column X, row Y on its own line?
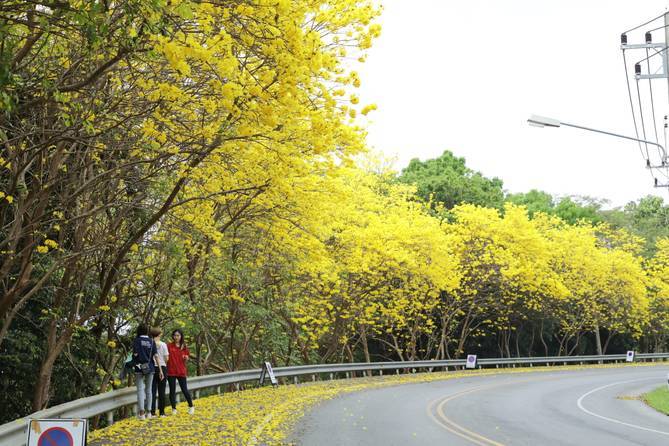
column 267, row 371
column 630, row 356
column 471, row 362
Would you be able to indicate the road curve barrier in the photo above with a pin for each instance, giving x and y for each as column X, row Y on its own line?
column 106, row 404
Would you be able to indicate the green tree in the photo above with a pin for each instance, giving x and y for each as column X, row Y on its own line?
column 449, row 181
column 534, row 200
column 650, row 219
column 647, row 218
column 569, row 209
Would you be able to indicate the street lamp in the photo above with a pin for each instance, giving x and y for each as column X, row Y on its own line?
column 541, row 121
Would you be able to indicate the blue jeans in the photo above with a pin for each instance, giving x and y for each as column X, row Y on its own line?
column 144, row 391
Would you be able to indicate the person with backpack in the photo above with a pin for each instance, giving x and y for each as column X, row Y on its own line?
column 176, row 370
column 159, row 379
column 145, row 357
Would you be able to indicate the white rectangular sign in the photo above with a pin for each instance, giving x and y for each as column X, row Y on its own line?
column 270, row 372
column 57, row 432
column 471, row 362
column 630, row 356
column 266, row 370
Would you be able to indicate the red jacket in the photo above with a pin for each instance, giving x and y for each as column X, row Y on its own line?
column 176, row 364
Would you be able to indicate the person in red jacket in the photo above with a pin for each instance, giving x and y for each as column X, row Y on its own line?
column 176, row 370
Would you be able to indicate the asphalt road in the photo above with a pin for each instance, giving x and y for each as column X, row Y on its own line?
column 579, row 407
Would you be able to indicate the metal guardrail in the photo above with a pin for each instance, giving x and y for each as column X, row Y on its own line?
column 15, row 432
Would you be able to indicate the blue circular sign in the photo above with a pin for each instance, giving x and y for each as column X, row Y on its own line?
column 55, row 436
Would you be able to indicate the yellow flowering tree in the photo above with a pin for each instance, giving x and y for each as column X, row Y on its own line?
column 144, row 107
column 658, row 296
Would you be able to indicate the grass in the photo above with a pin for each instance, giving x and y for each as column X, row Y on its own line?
column 658, row 399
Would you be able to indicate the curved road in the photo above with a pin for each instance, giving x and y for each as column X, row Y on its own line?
column 583, row 407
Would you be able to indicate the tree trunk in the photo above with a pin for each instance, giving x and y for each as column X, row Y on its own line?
column 350, row 353
column 43, row 384
column 598, row 340
column 608, row 339
column 576, row 343
column 500, row 343
column 541, row 337
column 365, row 347
column 463, row 337
column 441, row 349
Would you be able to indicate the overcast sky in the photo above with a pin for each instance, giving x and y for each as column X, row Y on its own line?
column 465, row 76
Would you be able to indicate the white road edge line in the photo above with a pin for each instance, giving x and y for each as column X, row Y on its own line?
column 579, row 403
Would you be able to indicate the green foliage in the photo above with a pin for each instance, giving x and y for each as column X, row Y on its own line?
column 449, row 181
column 74, row 373
column 570, row 209
column 18, row 357
column 649, row 218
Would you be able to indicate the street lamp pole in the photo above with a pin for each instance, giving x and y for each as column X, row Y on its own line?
column 541, row 121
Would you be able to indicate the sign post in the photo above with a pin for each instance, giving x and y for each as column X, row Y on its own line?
column 471, row 362
column 58, row 432
column 266, row 370
column 630, row 356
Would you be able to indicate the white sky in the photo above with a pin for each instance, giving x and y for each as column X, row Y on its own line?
column 466, row 75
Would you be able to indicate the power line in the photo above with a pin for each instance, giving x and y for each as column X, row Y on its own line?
column 652, row 55
column 643, row 124
column 652, row 106
column 644, row 24
column 663, row 169
column 629, row 93
column 658, row 28
column 646, row 157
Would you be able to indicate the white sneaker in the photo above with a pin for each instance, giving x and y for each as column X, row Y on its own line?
column 141, row 417
column 174, row 411
column 191, row 410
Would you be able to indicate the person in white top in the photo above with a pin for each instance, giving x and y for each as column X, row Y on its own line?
column 159, row 379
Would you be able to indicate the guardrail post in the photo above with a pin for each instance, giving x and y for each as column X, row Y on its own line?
column 331, row 376
column 380, row 372
column 313, row 377
column 397, row 371
column 110, row 418
column 237, row 386
column 178, row 397
column 197, row 394
column 218, row 390
column 134, row 409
